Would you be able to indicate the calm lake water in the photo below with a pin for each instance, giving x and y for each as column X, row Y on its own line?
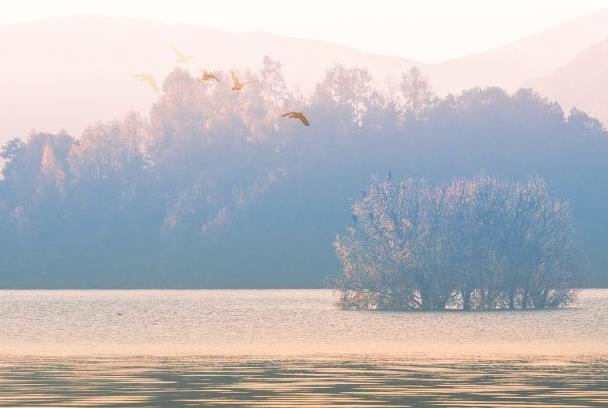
column 292, row 347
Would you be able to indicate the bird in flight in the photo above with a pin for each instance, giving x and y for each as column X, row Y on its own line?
column 181, row 57
column 238, row 85
column 207, row 76
column 297, row 115
column 149, row 79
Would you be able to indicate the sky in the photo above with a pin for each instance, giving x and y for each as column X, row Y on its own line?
column 425, row 30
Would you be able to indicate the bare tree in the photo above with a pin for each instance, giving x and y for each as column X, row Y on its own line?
column 479, row 244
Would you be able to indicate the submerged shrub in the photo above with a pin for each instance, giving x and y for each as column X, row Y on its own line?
column 484, row 243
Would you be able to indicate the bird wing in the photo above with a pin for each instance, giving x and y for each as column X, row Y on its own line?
column 304, row 119
column 178, row 53
column 289, row 114
column 208, row 76
column 149, row 79
column 235, row 78
column 152, row 83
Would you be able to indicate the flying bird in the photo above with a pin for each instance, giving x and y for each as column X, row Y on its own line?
column 149, row 79
column 238, row 85
column 207, row 76
column 297, row 115
column 181, row 57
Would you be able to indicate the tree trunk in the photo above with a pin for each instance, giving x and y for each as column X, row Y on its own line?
column 466, row 299
column 427, row 299
column 482, row 298
column 427, row 303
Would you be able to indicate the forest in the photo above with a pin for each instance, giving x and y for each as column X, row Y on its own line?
column 214, row 188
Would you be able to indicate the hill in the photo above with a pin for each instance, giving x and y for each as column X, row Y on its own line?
column 581, row 83
column 70, row 72
column 216, row 189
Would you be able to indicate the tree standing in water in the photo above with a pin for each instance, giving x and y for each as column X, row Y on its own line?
column 485, row 243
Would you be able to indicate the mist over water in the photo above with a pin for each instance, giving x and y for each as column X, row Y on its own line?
column 292, row 348
column 282, row 322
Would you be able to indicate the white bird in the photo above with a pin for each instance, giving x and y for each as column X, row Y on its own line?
column 181, row 57
column 149, row 79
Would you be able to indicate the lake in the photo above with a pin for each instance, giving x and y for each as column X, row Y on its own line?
column 292, row 348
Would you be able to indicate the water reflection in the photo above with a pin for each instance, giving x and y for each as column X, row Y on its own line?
column 292, row 348
column 307, row 382
column 285, row 322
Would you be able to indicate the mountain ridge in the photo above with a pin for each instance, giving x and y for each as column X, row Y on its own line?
column 70, row 72
column 581, row 83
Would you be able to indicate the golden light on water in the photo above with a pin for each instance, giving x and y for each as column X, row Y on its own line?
column 302, row 382
column 292, row 348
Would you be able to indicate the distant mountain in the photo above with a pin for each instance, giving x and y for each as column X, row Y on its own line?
column 581, row 83
column 512, row 65
column 71, row 72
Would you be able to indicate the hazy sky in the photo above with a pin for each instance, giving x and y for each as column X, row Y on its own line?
column 426, row 30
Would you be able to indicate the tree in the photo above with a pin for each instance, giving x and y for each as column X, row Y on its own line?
column 347, row 90
column 417, row 94
column 272, row 84
column 486, row 243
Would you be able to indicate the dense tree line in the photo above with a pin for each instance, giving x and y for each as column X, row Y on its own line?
column 216, row 189
column 479, row 244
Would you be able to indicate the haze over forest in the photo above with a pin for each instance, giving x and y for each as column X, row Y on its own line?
column 208, row 187
column 66, row 73
column 216, row 189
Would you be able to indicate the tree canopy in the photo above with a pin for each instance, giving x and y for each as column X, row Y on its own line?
column 484, row 243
